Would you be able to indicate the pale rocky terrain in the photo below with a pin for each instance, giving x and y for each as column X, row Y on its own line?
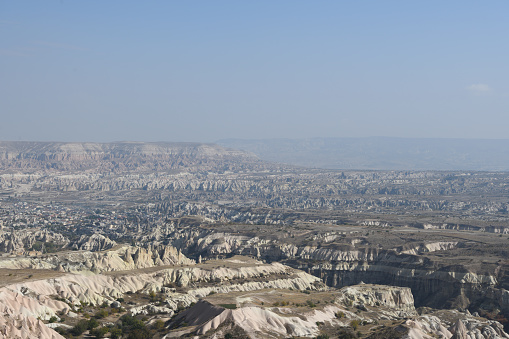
column 30, row 302
column 183, row 239
column 374, row 307
column 120, row 259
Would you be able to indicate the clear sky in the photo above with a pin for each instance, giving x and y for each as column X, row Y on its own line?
column 207, row 70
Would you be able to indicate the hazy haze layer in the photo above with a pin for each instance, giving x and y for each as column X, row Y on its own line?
column 382, row 153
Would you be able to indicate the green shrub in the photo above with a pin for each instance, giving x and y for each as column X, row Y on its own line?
column 62, row 331
column 346, row 334
column 79, row 328
column 158, row 325
column 339, row 314
column 99, row 332
column 131, row 323
column 115, row 333
column 101, row 314
column 139, row 334
column 92, row 323
column 152, row 296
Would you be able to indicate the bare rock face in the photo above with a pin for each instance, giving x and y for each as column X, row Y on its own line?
column 96, row 242
column 459, row 330
column 221, row 243
column 399, row 299
column 466, row 327
column 18, row 241
column 157, row 256
column 301, row 281
column 120, row 259
column 430, row 247
column 253, row 321
column 143, row 257
column 21, row 316
column 25, row 327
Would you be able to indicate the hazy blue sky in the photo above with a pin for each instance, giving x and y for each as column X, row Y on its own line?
column 206, row 70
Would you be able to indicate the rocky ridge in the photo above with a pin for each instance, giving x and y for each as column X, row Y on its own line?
column 372, row 305
column 433, row 283
column 122, row 258
column 116, row 157
column 44, row 299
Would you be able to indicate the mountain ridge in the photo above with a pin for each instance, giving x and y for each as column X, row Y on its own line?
column 119, row 156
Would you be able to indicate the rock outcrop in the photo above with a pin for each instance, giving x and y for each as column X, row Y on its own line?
column 398, row 299
column 96, row 242
column 120, row 259
column 19, row 241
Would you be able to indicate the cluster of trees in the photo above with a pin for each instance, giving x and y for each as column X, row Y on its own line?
column 46, row 247
column 128, row 327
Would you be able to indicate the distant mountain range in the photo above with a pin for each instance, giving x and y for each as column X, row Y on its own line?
column 377, row 153
column 382, row 153
column 140, row 157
